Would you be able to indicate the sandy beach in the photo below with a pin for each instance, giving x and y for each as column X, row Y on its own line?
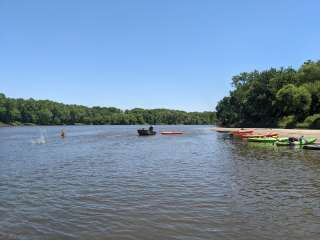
column 281, row 132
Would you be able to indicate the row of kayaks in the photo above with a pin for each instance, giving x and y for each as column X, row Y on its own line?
column 252, row 134
column 274, row 138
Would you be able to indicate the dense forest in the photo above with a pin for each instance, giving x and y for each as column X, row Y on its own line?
column 45, row 112
column 284, row 97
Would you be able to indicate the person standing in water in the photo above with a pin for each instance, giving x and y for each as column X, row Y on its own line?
column 62, row 134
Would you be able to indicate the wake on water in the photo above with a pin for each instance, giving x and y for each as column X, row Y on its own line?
column 42, row 139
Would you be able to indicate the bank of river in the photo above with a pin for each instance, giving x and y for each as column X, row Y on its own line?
column 281, row 132
column 105, row 182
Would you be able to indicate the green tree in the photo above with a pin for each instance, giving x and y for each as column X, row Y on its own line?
column 309, row 72
column 48, row 112
column 314, row 90
column 294, row 100
column 45, row 117
column 275, row 96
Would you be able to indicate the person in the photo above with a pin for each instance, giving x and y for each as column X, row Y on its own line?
column 301, row 140
column 293, row 139
column 151, row 128
column 62, row 134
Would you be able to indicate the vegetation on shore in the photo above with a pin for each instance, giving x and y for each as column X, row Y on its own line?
column 284, row 97
column 45, row 112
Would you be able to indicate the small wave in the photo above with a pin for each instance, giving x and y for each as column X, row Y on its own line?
column 41, row 140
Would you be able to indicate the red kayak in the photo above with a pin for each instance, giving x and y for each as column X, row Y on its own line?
column 171, row 133
column 242, row 132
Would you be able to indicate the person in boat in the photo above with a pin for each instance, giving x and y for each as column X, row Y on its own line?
column 146, row 132
column 62, row 134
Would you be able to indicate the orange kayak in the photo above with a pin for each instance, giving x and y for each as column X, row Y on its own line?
column 242, row 132
column 171, row 133
column 259, row 135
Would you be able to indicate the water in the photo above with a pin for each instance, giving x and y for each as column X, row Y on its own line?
column 104, row 182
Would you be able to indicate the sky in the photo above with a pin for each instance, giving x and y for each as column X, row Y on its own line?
column 177, row 54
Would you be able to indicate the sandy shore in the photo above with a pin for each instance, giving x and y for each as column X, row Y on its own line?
column 281, row 132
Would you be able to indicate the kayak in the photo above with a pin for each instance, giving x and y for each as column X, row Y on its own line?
column 305, row 141
column 262, row 140
column 312, row 147
column 241, row 132
column 171, row 133
column 259, row 135
column 222, row 131
column 267, row 139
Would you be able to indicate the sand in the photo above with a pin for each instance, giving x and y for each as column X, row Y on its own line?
column 281, row 132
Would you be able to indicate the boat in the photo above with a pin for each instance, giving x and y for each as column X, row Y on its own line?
column 312, row 147
column 239, row 133
column 146, row 132
column 267, row 139
column 259, row 135
column 304, row 141
column 222, row 131
column 171, row 133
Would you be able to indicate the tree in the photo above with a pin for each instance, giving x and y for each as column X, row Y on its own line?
column 314, row 90
column 48, row 112
column 309, row 72
column 226, row 112
column 294, row 100
column 275, row 96
column 45, row 117
column 3, row 110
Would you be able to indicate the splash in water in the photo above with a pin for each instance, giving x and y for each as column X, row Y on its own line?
column 42, row 139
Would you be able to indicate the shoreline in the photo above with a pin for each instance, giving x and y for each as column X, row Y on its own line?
column 282, row 132
column 67, row 125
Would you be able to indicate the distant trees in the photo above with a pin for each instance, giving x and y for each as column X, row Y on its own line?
column 45, row 112
column 282, row 97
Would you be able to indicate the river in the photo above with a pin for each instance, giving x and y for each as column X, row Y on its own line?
column 105, row 182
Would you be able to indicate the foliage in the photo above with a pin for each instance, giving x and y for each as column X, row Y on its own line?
column 293, row 100
column 45, row 112
column 287, row 122
column 314, row 90
column 312, row 122
column 275, row 97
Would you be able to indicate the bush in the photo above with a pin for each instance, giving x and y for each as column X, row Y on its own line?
column 29, row 124
column 15, row 123
column 312, row 122
column 3, row 124
column 287, row 122
column 302, row 125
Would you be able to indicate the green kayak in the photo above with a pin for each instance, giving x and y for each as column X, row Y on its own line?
column 267, row 140
column 304, row 141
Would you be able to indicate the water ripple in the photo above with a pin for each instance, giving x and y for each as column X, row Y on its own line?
column 104, row 182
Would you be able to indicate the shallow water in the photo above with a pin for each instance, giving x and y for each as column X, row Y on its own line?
column 104, row 182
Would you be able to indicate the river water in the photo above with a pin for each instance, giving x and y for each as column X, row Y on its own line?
column 105, row 182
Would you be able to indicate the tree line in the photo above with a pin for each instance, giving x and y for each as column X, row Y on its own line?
column 45, row 112
column 284, row 97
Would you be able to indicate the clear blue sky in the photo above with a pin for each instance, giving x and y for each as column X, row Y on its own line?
column 177, row 54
